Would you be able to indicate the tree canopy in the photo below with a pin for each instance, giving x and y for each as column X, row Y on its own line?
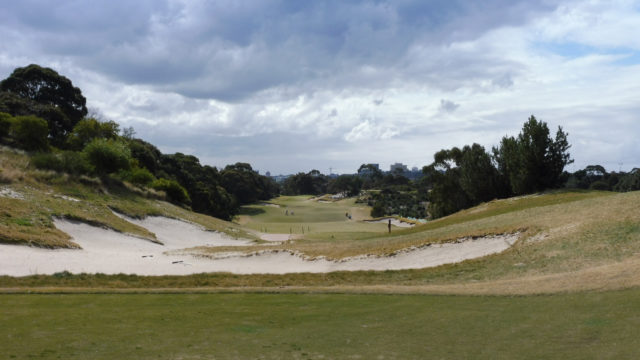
column 40, row 91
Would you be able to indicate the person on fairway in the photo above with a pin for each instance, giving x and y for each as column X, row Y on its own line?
column 389, row 225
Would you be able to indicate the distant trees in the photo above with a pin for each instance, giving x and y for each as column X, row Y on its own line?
column 347, row 184
column 531, row 162
column 311, row 183
column 246, row 184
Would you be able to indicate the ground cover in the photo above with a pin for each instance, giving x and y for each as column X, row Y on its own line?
column 30, row 199
column 320, row 326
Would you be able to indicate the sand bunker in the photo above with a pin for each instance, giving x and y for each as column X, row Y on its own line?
column 394, row 222
column 109, row 252
column 275, row 237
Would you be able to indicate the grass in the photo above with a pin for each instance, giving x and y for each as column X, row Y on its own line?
column 320, row 326
column 27, row 218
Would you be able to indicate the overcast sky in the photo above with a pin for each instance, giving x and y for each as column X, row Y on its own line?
column 296, row 85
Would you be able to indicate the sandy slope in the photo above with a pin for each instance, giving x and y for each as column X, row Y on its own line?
column 109, row 252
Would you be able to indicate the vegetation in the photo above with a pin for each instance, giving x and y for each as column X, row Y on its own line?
column 42, row 92
column 317, row 326
column 39, row 108
column 530, row 163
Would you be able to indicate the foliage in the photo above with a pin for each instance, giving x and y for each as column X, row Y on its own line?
column 629, row 182
column 5, row 124
column 247, row 185
column 138, row 176
column 108, row 156
column 311, row 183
column 30, row 132
column 533, row 161
column 70, row 162
column 146, row 154
column 175, row 192
column 88, row 129
column 393, row 202
column 348, row 184
column 46, row 86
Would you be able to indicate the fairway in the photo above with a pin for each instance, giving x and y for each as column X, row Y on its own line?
column 321, row 326
column 309, row 217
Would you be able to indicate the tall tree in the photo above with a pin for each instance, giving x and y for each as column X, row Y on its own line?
column 48, row 95
column 533, row 161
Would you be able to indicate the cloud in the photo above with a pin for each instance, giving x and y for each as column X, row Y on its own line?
column 447, row 106
column 337, row 84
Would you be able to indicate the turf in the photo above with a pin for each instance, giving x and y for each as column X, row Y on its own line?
column 297, row 326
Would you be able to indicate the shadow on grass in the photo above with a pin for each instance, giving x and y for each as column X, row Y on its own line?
column 251, row 211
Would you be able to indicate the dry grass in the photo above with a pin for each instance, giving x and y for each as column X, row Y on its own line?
column 34, row 197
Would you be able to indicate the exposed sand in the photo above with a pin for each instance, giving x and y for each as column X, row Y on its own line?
column 394, row 222
column 109, row 252
column 275, row 237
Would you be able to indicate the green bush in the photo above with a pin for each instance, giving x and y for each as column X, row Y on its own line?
column 138, row 176
column 108, row 156
column 89, row 129
column 5, row 124
column 175, row 192
column 69, row 162
column 30, row 132
column 377, row 210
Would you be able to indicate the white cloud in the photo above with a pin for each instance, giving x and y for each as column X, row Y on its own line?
column 356, row 81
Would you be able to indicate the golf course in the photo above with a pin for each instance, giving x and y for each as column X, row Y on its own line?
column 565, row 287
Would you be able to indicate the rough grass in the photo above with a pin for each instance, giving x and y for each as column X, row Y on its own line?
column 29, row 205
column 320, row 326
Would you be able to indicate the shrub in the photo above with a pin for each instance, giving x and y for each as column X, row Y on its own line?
column 69, row 162
column 108, row 156
column 5, row 124
column 30, row 132
column 377, row 210
column 599, row 185
column 175, row 192
column 89, row 129
column 138, row 176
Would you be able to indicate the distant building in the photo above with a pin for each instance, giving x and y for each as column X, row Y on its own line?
column 398, row 167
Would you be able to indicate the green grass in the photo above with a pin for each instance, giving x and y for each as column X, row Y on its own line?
column 321, row 326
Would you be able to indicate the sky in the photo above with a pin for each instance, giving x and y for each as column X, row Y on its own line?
column 292, row 86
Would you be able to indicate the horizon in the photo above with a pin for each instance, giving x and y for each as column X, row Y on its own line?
column 293, row 86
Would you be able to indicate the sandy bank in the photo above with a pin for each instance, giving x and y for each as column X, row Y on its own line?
column 109, row 252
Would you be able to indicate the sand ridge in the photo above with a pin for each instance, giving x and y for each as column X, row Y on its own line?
column 110, row 252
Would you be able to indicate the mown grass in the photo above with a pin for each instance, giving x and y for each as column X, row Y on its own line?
column 320, row 326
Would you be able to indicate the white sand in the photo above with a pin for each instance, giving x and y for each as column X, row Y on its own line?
column 394, row 222
column 109, row 252
column 275, row 237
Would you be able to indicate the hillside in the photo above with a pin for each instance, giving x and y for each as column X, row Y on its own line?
column 565, row 240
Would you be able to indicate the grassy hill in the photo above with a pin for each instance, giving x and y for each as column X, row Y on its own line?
column 568, row 240
column 582, row 249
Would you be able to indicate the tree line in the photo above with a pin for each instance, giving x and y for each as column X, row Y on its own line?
column 43, row 113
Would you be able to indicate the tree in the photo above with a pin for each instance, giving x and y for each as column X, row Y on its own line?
column 478, row 177
column 46, row 94
column 533, row 161
column 88, row 129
